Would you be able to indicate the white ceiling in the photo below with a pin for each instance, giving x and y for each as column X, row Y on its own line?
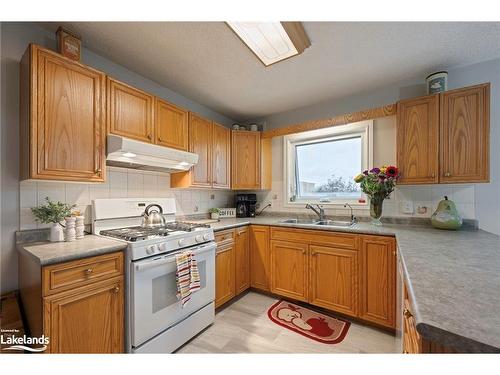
column 206, row 62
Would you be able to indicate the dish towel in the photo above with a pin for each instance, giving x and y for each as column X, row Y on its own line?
column 187, row 276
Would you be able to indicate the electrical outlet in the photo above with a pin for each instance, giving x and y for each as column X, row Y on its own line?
column 406, row 207
column 212, row 196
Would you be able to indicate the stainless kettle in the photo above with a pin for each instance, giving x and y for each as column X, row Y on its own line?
column 153, row 218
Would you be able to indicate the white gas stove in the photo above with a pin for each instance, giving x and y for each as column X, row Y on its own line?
column 155, row 320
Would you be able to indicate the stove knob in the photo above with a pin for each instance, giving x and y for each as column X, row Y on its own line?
column 199, row 238
column 163, row 247
column 150, row 249
column 181, row 242
column 206, row 236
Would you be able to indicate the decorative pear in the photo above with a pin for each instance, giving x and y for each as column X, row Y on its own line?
column 446, row 216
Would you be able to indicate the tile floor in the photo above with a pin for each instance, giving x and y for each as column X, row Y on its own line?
column 243, row 327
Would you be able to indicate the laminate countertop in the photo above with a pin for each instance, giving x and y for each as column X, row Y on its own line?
column 453, row 279
column 58, row 252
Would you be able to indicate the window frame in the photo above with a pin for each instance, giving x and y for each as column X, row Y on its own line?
column 363, row 129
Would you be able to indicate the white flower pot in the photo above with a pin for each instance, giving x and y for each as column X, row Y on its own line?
column 56, row 233
column 214, row 215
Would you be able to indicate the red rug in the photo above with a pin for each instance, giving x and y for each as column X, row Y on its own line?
column 308, row 323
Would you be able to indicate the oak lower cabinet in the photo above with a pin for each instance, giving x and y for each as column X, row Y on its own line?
column 378, row 280
column 333, row 277
column 290, row 269
column 259, row 257
column 225, row 285
column 242, row 259
column 62, row 118
column 130, row 111
column 78, row 305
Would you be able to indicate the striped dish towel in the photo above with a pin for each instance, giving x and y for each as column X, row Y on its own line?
column 187, row 276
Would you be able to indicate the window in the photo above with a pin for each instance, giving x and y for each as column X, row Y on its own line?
column 321, row 164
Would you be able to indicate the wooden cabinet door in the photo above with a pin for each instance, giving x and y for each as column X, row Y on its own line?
column 200, row 142
column 259, row 257
column 378, row 280
column 334, row 279
column 224, row 274
column 171, row 125
column 86, row 320
column 242, row 260
column 245, row 149
column 68, row 123
column 289, row 269
column 418, row 140
column 221, row 157
column 465, row 135
column 130, row 111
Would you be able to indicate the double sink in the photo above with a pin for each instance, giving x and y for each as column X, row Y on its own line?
column 327, row 223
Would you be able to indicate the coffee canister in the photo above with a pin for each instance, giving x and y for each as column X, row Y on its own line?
column 437, row 82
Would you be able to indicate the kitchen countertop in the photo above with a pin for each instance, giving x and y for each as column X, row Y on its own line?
column 47, row 253
column 453, row 279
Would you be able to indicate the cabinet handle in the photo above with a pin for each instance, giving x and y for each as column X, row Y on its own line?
column 433, row 175
column 98, row 170
column 407, row 313
column 160, row 140
column 116, row 289
column 447, row 174
column 303, row 251
column 88, row 271
column 149, row 136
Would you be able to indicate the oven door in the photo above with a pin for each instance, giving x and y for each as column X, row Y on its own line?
column 154, row 303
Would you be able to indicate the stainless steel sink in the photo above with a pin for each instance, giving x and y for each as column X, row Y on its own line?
column 300, row 221
column 336, row 223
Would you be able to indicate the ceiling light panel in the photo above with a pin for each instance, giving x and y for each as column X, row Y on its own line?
column 269, row 41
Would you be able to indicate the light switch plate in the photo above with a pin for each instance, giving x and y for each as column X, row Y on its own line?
column 406, row 207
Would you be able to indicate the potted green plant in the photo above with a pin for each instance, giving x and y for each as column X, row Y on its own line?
column 378, row 184
column 214, row 213
column 53, row 213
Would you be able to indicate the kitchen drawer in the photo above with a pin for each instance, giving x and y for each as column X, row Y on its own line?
column 320, row 237
column 225, row 236
column 64, row 276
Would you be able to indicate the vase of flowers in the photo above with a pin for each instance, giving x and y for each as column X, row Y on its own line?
column 53, row 213
column 378, row 184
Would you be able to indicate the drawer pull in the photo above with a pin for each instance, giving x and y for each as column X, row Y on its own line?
column 149, row 136
column 89, row 271
column 407, row 313
column 116, row 289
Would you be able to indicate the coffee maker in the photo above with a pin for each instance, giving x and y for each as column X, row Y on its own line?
column 245, row 205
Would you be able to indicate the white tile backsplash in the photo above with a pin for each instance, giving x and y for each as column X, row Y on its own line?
column 120, row 183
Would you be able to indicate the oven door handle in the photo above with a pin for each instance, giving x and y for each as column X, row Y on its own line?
column 171, row 258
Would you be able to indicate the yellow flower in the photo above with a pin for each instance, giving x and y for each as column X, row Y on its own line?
column 359, row 178
column 383, row 169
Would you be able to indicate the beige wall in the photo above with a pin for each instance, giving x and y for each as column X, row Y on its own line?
column 384, row 152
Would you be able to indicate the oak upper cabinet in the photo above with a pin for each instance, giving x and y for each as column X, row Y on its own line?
column 377, row 280
column 221, row 157
column 246, row 160
column 334, row 278
column 224, row 273
column 289, row 269
column 259, row 257
column 62, row 118
column 130, row 111
column 242, row 259
column 88, row 321
column 171, row 125
column 418, row 140
column 200, row 142
column 465, row 134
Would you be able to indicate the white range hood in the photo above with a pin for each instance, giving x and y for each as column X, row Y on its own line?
column 128, row 153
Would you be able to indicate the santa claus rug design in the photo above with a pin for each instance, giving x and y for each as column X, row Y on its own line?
column 309, row 323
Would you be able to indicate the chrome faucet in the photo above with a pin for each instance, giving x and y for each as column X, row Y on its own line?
column 353, row 218
column 320, row 211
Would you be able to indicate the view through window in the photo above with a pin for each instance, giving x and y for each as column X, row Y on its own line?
column 325, row 170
